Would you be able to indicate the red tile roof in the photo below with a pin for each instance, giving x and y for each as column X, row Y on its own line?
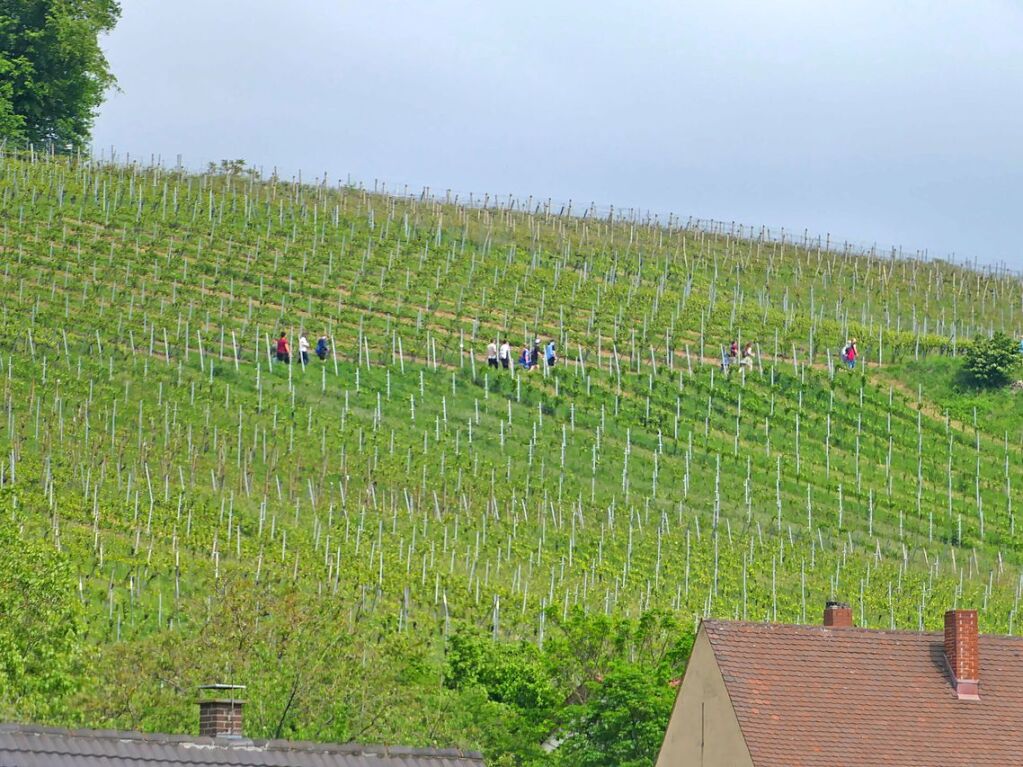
column 809, row 696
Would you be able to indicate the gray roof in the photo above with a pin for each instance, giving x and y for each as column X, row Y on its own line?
column 31, row 746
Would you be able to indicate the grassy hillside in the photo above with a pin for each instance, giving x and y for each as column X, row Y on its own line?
column 322, row 533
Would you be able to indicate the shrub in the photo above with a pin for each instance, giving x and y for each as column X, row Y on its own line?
column 990, row 362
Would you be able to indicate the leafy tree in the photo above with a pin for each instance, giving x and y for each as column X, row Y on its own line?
column 575, row 693
column 991, row 361
column 53, row 73
column 510, row 673
column 515, row 685
column 622, row 722
column 307, row 676
column 587, row 646
column 40, row 623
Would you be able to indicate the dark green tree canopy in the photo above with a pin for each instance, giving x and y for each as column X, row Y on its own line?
column 53, row 73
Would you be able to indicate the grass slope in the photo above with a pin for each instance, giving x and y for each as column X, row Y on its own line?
column 320, row 531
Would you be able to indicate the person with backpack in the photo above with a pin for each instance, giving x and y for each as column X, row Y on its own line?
column 505, row 354
column 534, row 357
column 524, row 359
column 851, row 354
column 303, row 349
column 322, row 348
column 283, row 350
column 551, row 354
column 492, row 354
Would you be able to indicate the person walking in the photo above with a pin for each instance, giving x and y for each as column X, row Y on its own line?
column 534, row 357
column 505, row 354
column 551, row 354
column 492, row 354
column 747, row 355
column 524, row 358
column 322, row 348
column 283, row 350
column 851, row 354
column 303, row 349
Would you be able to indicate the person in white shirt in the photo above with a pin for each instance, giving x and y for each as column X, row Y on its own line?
column 505, row 354
column 747, row 356
column 492, row 354
column 303, row 348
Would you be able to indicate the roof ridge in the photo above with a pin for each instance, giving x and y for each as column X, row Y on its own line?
column 810, row 627
column 715, row 622
column 235, row 744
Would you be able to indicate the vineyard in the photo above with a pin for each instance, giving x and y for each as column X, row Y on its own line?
column 327, row 528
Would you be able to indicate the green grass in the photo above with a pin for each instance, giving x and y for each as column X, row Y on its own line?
column 185, row 488
column 995, row 411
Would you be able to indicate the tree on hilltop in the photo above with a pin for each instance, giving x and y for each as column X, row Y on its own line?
column 53, row 73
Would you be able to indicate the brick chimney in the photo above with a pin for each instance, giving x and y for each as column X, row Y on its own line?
column 962, row 652
column 221, row 716
column 838, row 615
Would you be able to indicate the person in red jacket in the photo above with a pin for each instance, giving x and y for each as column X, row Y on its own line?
column 849, row 353
column 283, row 350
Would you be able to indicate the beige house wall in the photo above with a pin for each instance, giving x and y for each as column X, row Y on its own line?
column 703, row 730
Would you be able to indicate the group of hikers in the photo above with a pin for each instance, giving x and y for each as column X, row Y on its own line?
column 496, row 356
column 731, row 356
column 529, row 358
column 284, row 349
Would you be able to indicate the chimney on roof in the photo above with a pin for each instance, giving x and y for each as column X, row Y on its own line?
column 220, row 716
column 838, row 615
column 962, row 651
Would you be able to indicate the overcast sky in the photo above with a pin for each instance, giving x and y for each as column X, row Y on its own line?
column 899, row 123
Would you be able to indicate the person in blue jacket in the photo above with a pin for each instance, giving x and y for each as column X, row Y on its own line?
column 551, row 354
column 524, row 358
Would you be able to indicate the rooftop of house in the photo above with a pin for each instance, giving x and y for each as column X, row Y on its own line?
column 31, row 746
column 809, row 696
